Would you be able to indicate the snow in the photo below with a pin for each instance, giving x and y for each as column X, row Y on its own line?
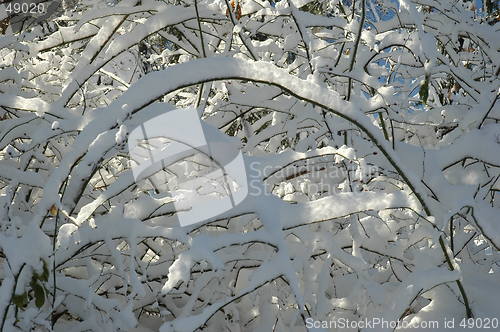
column 55, row 125
column 178, row 271
column 354, row 200
column 121, row 135
column 27, row 249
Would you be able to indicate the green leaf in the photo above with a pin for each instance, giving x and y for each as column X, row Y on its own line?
column 45, row 273
column 39, row 295
column 20, row 300
column 424, row 90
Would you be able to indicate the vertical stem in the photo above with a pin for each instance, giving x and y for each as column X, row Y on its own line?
column 468, row 310
column 199, row 28
column 356, row 45
column 203, row 52
column 54, row 284
column 452, row 246
column 382, row 124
